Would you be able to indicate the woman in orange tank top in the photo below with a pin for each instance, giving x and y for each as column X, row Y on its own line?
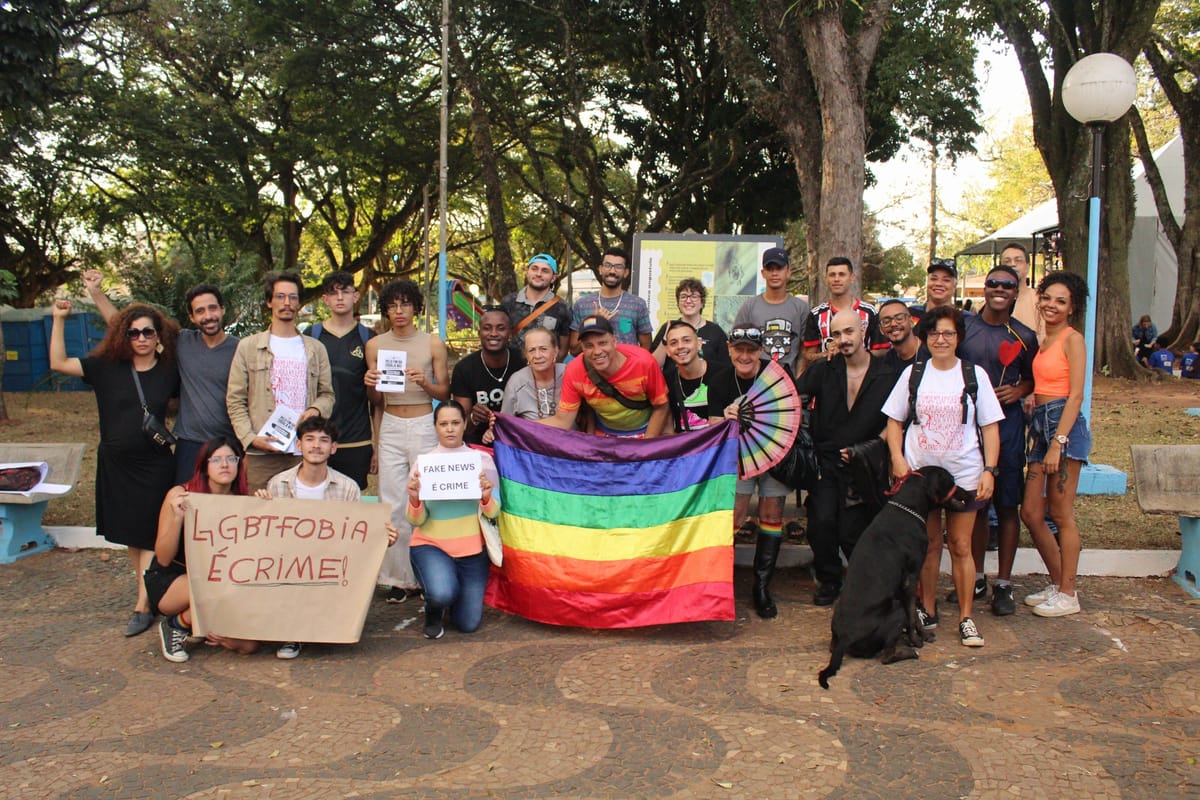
column 1059, row 442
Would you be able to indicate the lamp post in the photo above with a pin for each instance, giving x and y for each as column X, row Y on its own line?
column 1096, row 91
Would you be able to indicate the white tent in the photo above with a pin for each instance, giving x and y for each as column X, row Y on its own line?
column 1152, row 264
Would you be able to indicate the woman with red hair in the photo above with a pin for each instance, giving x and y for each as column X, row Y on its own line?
column 220, row 469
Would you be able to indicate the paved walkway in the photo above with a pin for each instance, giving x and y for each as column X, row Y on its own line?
column 1103, row 704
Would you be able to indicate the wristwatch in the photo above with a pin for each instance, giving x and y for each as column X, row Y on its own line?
column 995, row 471
column 1058, row 437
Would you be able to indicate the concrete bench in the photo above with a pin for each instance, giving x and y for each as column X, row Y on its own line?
column 21, row 532
column 1168, row 482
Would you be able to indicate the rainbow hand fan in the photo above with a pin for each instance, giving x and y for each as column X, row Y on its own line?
column 769, row 417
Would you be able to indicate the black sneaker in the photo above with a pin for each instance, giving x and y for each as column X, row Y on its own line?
column 397, row 595
column 434, row 630
column 1002, row 601
column 827, row 593
column 928, row 621
column 981, row 587
column 969, row 634
column 173, row 640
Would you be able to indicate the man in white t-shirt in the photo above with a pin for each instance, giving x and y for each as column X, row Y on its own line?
column 275, row 369
column 314, row 479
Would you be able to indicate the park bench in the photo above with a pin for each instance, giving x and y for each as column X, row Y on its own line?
column 21, row 532
column 1168, row 482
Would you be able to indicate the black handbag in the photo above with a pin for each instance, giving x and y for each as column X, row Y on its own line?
column 800, row 468
column 152, row 426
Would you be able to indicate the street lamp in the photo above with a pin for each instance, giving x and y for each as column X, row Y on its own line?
column 1096, row 91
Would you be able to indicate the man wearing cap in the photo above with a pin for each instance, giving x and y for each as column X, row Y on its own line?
column 621, row 383
column 941, row 280
column 779, row 316
column 628, row 313
column 536, row 304
column 1005, row 347
column 839, row 277
column 745, row 351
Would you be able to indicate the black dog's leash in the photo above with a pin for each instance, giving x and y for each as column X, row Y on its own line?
column 906, row 508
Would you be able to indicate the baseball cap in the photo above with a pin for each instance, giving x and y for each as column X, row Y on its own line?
column 594, row 324
column 775, row 255
column 1008, row 269
column 943, row 263
column 544, row 258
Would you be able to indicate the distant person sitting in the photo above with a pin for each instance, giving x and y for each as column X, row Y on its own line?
column 1144, row 334
column 1162, row 358
column 1187, row 364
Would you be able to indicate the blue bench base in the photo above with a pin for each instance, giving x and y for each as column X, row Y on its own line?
column 1102, row 479
column 21, row 532
column 1187, row 572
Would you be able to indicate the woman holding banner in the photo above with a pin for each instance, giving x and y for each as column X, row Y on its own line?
column 220, row 469
column 447, row 549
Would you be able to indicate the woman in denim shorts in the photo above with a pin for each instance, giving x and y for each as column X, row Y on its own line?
column 1059, row 442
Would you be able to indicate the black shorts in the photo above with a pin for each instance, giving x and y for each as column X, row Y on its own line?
column 158, row 579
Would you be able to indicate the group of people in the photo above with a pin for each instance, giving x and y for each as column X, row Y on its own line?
column 888, row 388
column 1154, row 351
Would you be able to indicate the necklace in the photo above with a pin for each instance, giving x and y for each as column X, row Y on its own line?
column 507, row 362
column 610, row 312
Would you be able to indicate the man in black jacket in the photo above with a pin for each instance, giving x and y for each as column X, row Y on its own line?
column 849, row 391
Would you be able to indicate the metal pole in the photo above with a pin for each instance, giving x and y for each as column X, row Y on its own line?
column 443, row 169
column 1093, row 266
column 425, row 225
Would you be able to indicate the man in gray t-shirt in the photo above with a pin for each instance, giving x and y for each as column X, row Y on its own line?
column 204, row 356
column 779, row 315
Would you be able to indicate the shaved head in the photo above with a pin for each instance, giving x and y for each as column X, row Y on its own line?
column 846, row 330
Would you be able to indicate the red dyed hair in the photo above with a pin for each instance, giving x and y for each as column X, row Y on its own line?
column 199, row 480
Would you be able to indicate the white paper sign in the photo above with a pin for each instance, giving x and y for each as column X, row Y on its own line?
column 281, row 426
column 450, row 476
column 392, row 364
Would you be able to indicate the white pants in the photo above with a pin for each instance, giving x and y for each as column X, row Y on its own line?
column 401, row 440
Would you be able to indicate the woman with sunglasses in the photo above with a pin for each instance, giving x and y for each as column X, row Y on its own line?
column 220, row 469
column 133, row 472
column 1059, row 442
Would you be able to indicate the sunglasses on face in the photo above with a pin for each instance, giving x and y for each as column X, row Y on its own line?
column 145, row 333
column 996, row 283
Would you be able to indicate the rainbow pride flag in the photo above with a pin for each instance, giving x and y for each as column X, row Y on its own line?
column 615, row 533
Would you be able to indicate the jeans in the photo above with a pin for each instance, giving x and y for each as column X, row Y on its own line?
column 454, row 583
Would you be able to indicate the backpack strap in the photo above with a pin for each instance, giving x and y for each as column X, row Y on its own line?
column 607, row 388
column 315, row 330
column 971, row 390
column 914, row 383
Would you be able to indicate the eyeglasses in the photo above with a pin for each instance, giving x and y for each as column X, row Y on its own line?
column 942, row 334
column 291, row 298
column 895, row 319
column 145, row 333
column 687, row 296
column 748, row 335
column 611, row 265
column 218, row 460
column 994, row 283
column 403, row 308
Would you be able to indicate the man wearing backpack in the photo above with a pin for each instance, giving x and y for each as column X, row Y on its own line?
column 345, row 338
column 621, row 383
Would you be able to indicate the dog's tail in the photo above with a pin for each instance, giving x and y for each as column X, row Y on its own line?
column 835, row 663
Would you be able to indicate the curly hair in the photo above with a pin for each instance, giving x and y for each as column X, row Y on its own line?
column 930, row 320
column 401, row 291
column 116, row 346
column 199, row 481
column 691, row 285
column 1076, row 287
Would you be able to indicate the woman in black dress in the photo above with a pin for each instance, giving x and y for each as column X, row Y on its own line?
column 133, row 473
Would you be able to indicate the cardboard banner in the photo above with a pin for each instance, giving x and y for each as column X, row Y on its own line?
column 283, row 570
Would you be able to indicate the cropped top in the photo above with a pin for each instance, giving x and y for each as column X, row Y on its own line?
column 1051, row 370
column 416, row 344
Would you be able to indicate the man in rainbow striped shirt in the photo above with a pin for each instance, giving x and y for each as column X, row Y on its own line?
column 621, row 383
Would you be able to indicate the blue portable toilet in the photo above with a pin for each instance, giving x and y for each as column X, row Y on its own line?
column 27, row 347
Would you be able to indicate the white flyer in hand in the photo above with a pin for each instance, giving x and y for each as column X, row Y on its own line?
column 392, row 364
column 450, row 476
column 281, row 426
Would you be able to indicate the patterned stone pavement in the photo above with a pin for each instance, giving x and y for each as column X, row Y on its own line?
column 1105, row 704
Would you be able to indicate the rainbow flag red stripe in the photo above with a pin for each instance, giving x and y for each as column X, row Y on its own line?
column 615, row 533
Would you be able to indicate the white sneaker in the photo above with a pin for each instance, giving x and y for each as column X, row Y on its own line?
column 1037, row 598
column 288, row 651
column 1060, row 605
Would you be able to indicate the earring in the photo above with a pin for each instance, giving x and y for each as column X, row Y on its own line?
column 158, row 348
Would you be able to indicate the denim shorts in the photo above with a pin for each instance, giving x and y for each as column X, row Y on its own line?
column 1044, row 424
column 767, row 486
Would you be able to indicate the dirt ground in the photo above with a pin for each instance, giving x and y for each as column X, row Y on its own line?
column 1125, row 413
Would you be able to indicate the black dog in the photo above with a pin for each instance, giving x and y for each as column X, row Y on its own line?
column 878, row 603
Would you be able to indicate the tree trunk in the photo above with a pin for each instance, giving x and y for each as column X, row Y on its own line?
column 485, row 151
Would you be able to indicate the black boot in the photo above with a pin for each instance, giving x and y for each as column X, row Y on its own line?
column 766, row 553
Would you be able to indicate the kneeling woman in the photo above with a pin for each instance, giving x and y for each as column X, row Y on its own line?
column 220, row 469
column 447, row 549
